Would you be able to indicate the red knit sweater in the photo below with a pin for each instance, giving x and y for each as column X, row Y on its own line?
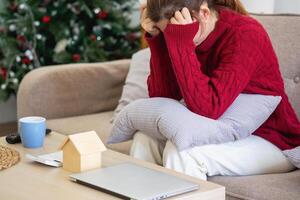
column 237, row 57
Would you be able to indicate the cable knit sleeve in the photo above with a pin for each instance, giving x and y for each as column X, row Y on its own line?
column 211, row 95
column 161, row 81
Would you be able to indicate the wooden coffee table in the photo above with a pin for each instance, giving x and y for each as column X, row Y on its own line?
column 29, row 181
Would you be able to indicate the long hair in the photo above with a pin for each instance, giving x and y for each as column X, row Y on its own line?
column 165, row 9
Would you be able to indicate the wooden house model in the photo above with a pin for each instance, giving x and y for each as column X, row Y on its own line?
column 82, row 151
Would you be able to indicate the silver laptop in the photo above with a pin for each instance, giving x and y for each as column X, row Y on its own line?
column 130, row 181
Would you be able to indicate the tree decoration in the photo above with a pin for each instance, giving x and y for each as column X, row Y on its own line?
column 21, row 38
column 46, row 19
column 13, row 7
column 93, row 37
column 102, row 14
column 2, row 29
column 26, row 60
column 3, row 73
column 76, row 57
column 48, row 32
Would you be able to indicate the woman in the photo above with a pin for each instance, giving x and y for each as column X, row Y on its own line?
column 208, row 52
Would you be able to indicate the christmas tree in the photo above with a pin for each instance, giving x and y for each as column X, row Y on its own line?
column 40, row 33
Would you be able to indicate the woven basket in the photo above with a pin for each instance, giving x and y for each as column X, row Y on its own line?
column 8, row 157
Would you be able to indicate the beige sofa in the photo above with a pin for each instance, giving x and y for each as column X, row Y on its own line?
column 81, row 97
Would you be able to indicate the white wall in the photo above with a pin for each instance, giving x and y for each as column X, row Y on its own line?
column 272, row 6
column 259, row 6
column 287, row 6
column 135, row 17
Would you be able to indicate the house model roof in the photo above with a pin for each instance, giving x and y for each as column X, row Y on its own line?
column 85, row 143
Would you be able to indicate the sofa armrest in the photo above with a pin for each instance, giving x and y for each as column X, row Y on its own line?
column 71, row 90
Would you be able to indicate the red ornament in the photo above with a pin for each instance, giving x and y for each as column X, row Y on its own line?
column 131, row 37
column 46, row 19
column 2, row 29
column 76, row 9
column 93, row 37
column 3, row 72
column 26, row 61
column 102, row 14
column 22, row 46
column 13, row 7
column 76, row 57
column 21, row 38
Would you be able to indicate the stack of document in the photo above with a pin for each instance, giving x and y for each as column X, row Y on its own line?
column 54, row 159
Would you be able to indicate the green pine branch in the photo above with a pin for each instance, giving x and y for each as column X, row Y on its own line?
column 39, row 33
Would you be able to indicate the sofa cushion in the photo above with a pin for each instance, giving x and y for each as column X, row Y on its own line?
column 72, row 89
column 135, row 86
column 263, row 187
column 98, row 122
column 284, row 31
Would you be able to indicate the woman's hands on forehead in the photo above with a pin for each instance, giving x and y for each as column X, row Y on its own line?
column 147, row 24
column 180, row 17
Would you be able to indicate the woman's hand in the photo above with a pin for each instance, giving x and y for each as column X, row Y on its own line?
column 147, row 24
column 182, row 17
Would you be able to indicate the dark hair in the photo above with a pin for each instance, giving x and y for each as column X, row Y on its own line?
column 165, row 9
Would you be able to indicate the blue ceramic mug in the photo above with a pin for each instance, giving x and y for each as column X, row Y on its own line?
column 32, row 131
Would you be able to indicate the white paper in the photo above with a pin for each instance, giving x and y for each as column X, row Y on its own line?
column 52, row 159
